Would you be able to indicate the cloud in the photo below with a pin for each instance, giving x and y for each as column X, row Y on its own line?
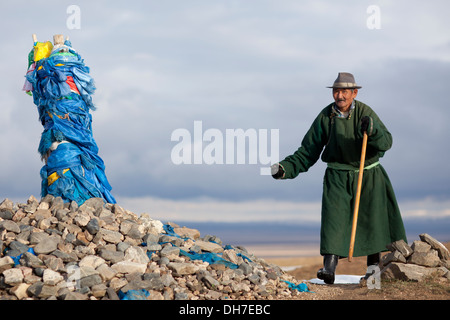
column 160, row 66
column 204, row 209
column 305, row 212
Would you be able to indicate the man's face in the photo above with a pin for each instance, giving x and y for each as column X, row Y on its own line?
column 344, row 97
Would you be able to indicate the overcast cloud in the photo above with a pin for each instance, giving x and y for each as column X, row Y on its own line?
column 161, row 65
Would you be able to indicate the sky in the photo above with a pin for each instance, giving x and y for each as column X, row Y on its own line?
column 164, row 67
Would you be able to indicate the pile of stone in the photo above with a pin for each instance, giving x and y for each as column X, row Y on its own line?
column 425, row 258
column 55, row 250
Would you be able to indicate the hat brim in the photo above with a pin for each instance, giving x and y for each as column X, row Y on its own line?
column 353, row 86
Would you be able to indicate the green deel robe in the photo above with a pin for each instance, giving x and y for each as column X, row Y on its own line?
column 340, row 139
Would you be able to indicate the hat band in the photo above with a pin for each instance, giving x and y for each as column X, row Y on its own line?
column 345, row 84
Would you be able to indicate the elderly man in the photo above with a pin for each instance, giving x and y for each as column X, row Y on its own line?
column 336, row 135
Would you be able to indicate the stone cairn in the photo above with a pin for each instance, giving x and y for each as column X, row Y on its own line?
column 51, row 250
column 425, row 258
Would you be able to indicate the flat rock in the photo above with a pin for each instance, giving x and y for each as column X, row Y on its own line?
column 20, row 291
column 180, row 268
column 51, row 277
column 9, row 225
column 392, row 257
column 13, row 276
column 442, row 250
column 45, row 247
column 209, row 246
column 91, row 251
column 129, row 267
column 187, row 232
column 426, row 259
column 401, row 246
column 406, row 272
column 111, row 236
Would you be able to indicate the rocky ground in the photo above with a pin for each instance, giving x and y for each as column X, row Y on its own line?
column 50, row 250
column 431, row 287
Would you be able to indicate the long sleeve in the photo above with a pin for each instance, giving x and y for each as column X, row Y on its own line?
column 380, row 139
column 310, row 149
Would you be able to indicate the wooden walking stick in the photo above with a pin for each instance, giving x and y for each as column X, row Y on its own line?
column 358, row 196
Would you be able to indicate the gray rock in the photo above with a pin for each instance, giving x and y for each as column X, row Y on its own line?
column 211, row 283
column 164, row 261
column 126, row 226
column 185, row 232
column 91, row 280
column 106, row 272
column 51, row 277
column 96, row 249
column 37, row 237
column 99, row 290
column 112, row 256
column 20, row 247
column 82, row 219
column 92, row 261
column 442, row 250
column 57, row 203
column 426, row 259
column 209, row 246
column 153, row 281
column 6, row 263
column 6, row 213
column 129, row 267
column 171, row 239
column 136, row 254
column 150, row 238
column 136, row 232
column 392, row 257
column 406, row 272
column 13, row 276
column 64, row 256
column 76, row 296
column 170, row 252
column 153, row 246
column 111, row 236
column 95, row 204
column 112, row 295
column 30, row 260
column 35, row 289
column 420, row 246
column 6, row 204
column 246, row 268
column 9, row 225
column 180, row 268
column 93, row 227
column 181, row 296
column 400, row 246
column 45, row 247
column 122, row 246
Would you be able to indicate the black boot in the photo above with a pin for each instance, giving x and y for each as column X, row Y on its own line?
column 326, row 273
column 372, row 261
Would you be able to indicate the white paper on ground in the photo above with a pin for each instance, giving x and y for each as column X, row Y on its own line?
column 340, row 279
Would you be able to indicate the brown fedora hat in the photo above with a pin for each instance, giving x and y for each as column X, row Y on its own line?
column 345, row 80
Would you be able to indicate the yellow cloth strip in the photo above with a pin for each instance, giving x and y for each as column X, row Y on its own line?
column 54, row 176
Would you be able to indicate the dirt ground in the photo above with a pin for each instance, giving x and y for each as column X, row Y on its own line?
column 432, row 288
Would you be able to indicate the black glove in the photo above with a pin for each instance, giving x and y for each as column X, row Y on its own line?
column 366, row 124
column 277, row 171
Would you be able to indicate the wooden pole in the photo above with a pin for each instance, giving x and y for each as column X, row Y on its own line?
column 358, row 196
column 34, row 38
